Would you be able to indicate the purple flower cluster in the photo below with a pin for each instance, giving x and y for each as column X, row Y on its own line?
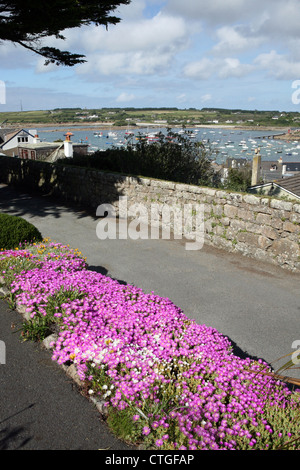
column 183, row 383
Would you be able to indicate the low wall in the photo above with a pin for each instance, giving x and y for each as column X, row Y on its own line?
column 257, row 226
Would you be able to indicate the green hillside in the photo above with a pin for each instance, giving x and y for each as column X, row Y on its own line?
column 164, row 116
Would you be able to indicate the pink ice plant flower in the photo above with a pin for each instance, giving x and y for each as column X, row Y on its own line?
column 138, row 339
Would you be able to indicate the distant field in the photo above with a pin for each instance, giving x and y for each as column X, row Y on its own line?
column 167, row 116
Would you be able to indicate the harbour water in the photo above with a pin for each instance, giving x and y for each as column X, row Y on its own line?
column 223, row 142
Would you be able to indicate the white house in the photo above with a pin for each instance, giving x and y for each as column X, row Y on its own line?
column 11, row 138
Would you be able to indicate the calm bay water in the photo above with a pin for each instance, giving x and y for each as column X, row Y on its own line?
column 224, row 142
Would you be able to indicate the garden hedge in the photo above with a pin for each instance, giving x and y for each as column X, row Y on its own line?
column 15, row 230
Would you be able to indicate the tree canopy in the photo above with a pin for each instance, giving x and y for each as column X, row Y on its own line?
column 27, row 22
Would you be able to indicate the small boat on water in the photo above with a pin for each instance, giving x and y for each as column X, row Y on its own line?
column 112, row 134
column 152, row 137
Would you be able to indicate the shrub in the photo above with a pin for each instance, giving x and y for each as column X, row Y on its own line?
column 15, row 230
column 170, row 157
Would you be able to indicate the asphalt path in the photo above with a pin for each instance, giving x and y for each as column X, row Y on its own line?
column 256, row 305
column 40, row 406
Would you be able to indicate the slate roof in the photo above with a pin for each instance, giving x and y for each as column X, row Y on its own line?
column 5, row 131
column 291, row 184
column 269, row 174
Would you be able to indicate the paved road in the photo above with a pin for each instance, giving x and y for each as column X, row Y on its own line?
column 256, row 305
column 40, row 407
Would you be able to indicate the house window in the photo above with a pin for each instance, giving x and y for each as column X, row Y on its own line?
column 22, row 139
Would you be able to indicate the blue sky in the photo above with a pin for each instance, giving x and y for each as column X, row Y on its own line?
column 172, row 53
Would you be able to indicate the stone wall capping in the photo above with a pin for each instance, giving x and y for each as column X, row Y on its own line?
column 209, row 191
column 296, row 208
column 145, row 181
column 222, row 194
column 265, row 201
column 236, row 198
column 251, row 199
column 282, row 205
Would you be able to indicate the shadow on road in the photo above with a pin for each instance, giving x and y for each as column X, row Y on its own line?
column 35, row 204
column 12, row 436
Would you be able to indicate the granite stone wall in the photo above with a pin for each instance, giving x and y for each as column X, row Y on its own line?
column 261, row 227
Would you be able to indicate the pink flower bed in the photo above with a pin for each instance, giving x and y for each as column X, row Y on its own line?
column 152, row 356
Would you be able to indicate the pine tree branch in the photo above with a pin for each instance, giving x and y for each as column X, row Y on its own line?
column 55, row 56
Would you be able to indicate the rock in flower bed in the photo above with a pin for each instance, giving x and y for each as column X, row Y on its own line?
column 167, row 381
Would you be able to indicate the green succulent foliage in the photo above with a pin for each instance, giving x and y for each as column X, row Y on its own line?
column 15, row 231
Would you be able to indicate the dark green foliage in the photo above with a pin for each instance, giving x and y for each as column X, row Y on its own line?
column 25, row 22
column 238, row 179
column 171, row 157
column 15, row 230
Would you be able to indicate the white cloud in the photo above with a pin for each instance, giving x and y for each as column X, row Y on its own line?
column 15, row 57
column 232, row 67
column 280, row 66
column 222, row 68
column 283, row 20
column 144, row 47
column 203, row 10
column 42, row 68
column 137, row 63
column 231, row 41
column 146, row 34
column 202, row 69
column 206, row 97
column 125, row 97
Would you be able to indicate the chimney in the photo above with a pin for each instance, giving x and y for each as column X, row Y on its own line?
column 36, row 139
column 68, row 145
column 256, row 165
